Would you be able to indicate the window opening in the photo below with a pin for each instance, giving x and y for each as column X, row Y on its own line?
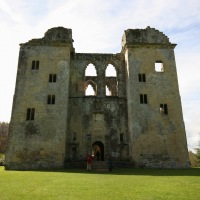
column 163, row 109
column 89, row 91
column 143, row 99
column 121, row 137
column 52, row 78
column 142, row 77
column 74, row 136
column 30, row 114
column 51, row 99
column 35, row 64
column 90, row 70
column 111, row 71
column 108, row 92
column 159, row 66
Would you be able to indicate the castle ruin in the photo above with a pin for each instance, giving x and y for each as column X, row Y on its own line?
column 131, row 114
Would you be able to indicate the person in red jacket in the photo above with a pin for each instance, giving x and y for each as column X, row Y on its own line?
column 89, row 162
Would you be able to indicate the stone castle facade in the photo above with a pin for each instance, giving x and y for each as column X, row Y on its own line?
column 133, row 114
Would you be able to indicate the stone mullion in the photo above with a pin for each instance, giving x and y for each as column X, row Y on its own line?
column 101, row 84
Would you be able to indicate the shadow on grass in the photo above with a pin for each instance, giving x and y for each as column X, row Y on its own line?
column 128, row 171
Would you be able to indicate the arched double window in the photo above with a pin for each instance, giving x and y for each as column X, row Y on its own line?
column 90, row 80
column 111, row 84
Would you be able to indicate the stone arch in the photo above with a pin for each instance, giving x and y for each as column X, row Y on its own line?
column 93, row 86
column 111, row 82
column 98, row 146
column 110, row 71
column 90, row 70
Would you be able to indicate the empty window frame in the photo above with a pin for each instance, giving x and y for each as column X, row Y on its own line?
column 74, row 136
column 111, row 71
column 90, row 91
column 51, row 99
column 52, row 78
column 30, row 114
column 108, row 92
column 121, row 137
column 35, row 64
column 163, row 109
column 143, row 99
column 159, row 66
column 90, row 70
column 142, row 77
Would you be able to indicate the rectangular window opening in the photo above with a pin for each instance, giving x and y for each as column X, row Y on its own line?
column 141, row 78
column 121, row 137
column 30, row 114
column 143, row 99
column 159, row 66
column 74, row 136
column 163, row 109
column 35, row 65
column 52, row 78
column 51, row 99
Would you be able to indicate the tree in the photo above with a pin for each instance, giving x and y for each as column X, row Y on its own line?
column 192, row 158
column 198, row 154
column 4, row 126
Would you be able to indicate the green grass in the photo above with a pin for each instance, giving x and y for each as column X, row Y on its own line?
column 121, row 184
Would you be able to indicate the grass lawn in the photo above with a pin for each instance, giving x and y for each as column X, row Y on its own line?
column 121, row 184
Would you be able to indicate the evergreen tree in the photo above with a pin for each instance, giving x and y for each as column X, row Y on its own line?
column 198, row 153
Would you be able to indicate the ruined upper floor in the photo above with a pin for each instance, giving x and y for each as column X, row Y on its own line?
column 60, row 36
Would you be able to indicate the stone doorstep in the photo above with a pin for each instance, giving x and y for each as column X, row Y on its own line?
column 100, row 170
column 100, row 166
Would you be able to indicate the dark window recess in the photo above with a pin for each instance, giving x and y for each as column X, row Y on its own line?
column 121, row 137
column 51, row 99
column 30, row 115
column 52, row 78
column 163, row 109
column 35, row 64
column 143, row 99
column 74, row 136
column 142, row 77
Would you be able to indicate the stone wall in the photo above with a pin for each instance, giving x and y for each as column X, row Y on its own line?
column 54, row 122
column 158, row 139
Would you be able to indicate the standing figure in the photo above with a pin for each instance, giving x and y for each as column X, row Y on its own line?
column 89, row 162
column 98, row 155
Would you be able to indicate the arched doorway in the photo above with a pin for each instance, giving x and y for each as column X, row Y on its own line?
column 98, row 150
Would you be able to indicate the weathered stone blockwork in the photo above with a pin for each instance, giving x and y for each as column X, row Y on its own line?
column 55, row 123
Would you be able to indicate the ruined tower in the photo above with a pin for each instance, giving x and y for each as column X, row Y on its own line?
column 133, row 116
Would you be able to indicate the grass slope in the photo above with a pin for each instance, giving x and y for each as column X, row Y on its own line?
column 121, row 184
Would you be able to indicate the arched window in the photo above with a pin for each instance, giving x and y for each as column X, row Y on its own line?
column 111, row 83
column 111, row 71
column 89, row 91
column 90, row 70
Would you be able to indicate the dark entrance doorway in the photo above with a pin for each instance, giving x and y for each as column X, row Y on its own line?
column 98, row 150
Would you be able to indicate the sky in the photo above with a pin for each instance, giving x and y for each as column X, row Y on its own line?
column 97, row 27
